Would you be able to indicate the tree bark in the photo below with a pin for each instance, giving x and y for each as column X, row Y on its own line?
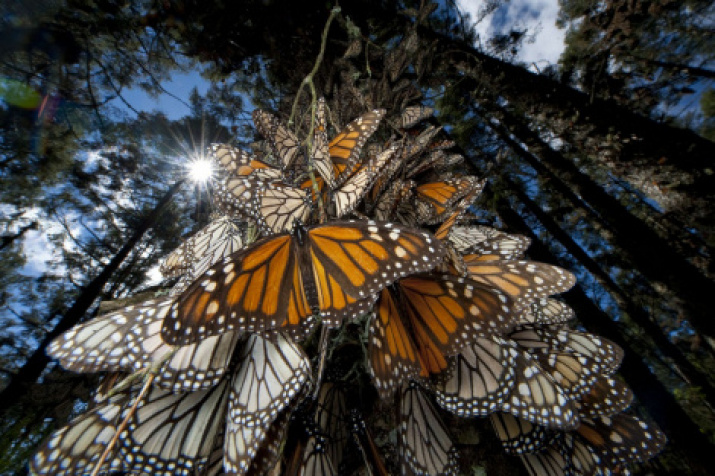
column 35, row 365
column 661, row 152
column 636, row 313
column 653, row 256
column 680, row 429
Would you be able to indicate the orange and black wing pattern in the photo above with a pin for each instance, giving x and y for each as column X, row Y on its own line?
column 353, row 260
column 446, row 313
column 393, row 356
column 435, row 200
column 345, row 148
column 621, row 439
column 256, row 289
column 432, row 318
column 523, row 281
column 446, row 227
column 277, row 283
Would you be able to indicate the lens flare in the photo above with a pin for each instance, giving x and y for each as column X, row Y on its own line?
column 200, row 170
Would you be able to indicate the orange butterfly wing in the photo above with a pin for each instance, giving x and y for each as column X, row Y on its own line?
column 353, row 260
column 253, row 290
column 523, row 281
column 278, row 282
column 446, row 227
column 393, row 356
column 433, row 318
column 447, row 313
column 345, row 148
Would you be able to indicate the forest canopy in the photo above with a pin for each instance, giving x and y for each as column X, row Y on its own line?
column 598, row 168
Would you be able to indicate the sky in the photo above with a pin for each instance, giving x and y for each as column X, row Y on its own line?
column 539, row 16
column 180, row 86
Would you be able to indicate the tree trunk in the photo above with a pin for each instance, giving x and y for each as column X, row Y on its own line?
column 636, row 313
column 678, row 161
column 559, row 165
column 653, row 256
column 35, row 365
column 682, row 432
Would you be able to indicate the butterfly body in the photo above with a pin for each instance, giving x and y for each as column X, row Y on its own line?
column 277, row 283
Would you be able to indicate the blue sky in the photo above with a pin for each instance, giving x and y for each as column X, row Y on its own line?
column 180, row 86
column 539, row 16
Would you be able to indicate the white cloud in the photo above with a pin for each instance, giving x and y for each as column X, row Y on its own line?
column 539, row 16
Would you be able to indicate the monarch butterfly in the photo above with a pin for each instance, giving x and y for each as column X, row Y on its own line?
column 604, row 352
column 479, row 378
column 76, row 448
column 267, row 455
column 268, row 378
column 607, row 397
column 285, row 145
column 535, row 397
column 523, row 281
column 242, row 164
column 574, row 373
column 386, row 176
column 491, row 375
column 321, row 149
column 484, row 240
column 280, row 281
column 519, row 436
column 416, row 146
column 345, row 198
column 616, row 440
column 399, row 191
column 338, row 164
column 345, row 148
column 434, row 200
column 172, row 433
column 220, row 238
column 546, row 311
column 175, row 433
column 276, row 207
column 426, row 164
column 414, row 114
column 425, row 446
column 446, row 227
column 129, row 340
column 426, row 320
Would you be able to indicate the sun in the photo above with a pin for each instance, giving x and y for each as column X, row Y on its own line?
column 200, row 169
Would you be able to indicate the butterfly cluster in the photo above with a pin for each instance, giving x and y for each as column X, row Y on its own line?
column 337, row 275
